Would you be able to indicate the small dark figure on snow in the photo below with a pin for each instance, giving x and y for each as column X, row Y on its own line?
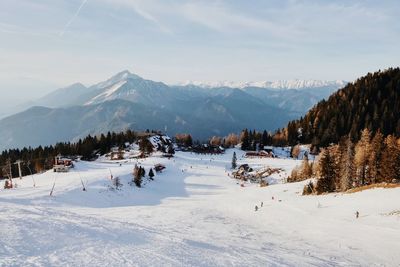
column 272, row 198
column 151, row 174
column 262, row 203
column 357, row 214
column 256, row 208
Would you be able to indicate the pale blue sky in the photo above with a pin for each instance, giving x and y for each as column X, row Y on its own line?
column 50, row 43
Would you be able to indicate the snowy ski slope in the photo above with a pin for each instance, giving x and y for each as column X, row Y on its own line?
column 192, row 214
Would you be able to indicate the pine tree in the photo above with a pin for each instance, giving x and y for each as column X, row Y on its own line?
column 328, row 171
column 294, row 175
column 292, row 134
column 347, row 169
column 304, row 172
column 149, row 147
column 306, row 168
column 145, row 146
column 245, row 140
column 265, row 139
column 38, row 166
column 375, row 159
column 363, row 150
column 231, row 140
column 234, row 164
column 188, row 141
column 170, row 149
column 390, row 165
column 295, row 151
column 215, row 141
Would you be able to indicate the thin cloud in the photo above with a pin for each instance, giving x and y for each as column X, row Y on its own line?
column 218, row 17
column 146, row 15
column 61, row 34
column 18, row 30
column 146, row 10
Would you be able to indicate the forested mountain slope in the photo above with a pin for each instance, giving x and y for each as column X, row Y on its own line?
column 372, row 102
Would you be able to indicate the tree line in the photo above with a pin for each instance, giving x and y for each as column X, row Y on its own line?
column 39, row 159
column 346, row 165
column 250, row 140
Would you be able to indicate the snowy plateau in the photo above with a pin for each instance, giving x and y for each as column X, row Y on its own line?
column 192, row 214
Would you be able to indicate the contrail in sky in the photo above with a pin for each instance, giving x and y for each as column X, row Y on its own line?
column 61, row 34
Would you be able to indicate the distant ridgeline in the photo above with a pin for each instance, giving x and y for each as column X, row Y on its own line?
column 371, row 102
column 39, row 159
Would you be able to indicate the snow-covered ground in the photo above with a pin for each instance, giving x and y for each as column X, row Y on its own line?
column 193, row 214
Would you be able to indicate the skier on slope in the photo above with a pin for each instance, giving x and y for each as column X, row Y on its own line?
column 256, row 208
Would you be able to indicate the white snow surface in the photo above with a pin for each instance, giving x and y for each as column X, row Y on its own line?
column 195, row 217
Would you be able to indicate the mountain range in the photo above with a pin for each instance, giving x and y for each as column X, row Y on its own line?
column 128, row 101
column 280, row 84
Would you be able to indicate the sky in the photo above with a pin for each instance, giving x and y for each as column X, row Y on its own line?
column 47, row 44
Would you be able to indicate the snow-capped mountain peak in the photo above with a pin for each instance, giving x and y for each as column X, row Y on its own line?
column 280, row 84
column 119, row 77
